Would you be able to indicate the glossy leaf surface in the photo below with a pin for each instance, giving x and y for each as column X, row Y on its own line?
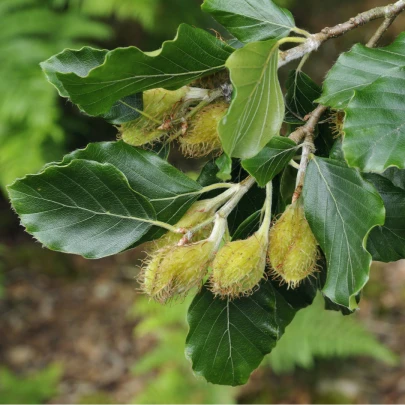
column 271, row 160
column 302, row 92
column 81, row 62
column 257, row 109
column 126, row 71
column 237, row 334
column 86, row 208
column 341, row 209
column 358, row 68
column 387, row 243
column 167, row 188
column 251, row 20
column 375, row 125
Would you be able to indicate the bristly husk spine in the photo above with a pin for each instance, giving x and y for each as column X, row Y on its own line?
column 175, row 266
column 201, row 137
column 174, row 270
column 293, row 249
column 336, row 120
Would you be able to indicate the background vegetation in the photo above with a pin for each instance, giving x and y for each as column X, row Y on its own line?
column 75, row 331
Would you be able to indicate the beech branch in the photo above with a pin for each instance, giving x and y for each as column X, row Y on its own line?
column 306, row 133
column 308, row 128
column 389, row 13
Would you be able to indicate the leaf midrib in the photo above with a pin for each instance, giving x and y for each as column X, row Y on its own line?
column 138, row 77
column 107, row 213
column 254, row 90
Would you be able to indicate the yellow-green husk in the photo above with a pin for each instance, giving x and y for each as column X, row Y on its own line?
column 175, row 270
column 201, row 137
column 159, row 104
column 239, row 266
column 293, row 249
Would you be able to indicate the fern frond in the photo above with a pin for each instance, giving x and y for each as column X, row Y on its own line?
column 315, row 333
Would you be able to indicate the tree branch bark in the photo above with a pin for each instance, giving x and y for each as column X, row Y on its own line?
column 306, row 133
column 389, row 12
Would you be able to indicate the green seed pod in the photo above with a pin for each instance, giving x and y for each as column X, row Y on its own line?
column 239, row 266
column 201, row 137
column 158, row 105
column 293, row 250
column 174, row 271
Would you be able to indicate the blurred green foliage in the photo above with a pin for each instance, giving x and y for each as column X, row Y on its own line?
column 158, row 17
column 2, row 270
column 314, row 333
column 32, row 389
column 32, row 31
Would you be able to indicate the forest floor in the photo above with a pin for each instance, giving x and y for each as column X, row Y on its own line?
column 66, row 310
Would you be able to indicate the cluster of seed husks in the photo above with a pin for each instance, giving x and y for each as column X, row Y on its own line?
column 237, row 268
column 163, row 115
column 173, row 269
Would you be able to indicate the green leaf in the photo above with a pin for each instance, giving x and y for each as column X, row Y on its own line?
column 252, row 20
column 208, row 174
column 81, row 63
column 341, row 209
column 248, row 226
column 358, row 68
column 325, row 138
column 125, row 110
column 301, row 296
column 287, row 184
column 224, row 164
column 396, row 176
column 375, row 125
column 387, row 243
column 271, row 160
column 251, row 202
column 38, row 386
column 331, row 306
column 194, row 53
column 229, row 338
column 257, row 109
column 86, row 208
column 167, row 189
column 300, row 96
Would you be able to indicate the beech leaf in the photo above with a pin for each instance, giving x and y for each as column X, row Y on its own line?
column 342, row 209
column 123, row 72
column 257, row 109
